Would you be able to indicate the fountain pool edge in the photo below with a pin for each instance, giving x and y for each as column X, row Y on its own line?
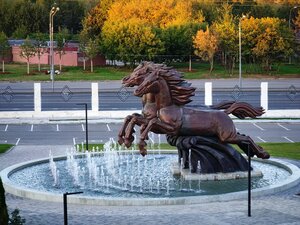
column 291, row 181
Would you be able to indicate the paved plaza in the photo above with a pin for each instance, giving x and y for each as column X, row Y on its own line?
column 281, row 208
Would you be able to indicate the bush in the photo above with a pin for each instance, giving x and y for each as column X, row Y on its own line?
column 16, row 219
column 3, row 207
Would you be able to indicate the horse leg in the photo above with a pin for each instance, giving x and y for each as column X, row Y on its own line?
column 243, row 141
column 159, row 127
column 122, row 130
column 136, row 120
column 145, row 128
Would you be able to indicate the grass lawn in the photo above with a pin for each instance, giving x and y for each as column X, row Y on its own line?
column 4, row 147
column 282, row 150
column 17, row 72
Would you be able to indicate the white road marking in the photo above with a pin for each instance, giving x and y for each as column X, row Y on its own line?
column 74, row 141
column 283, row 126
column 6, row 127
column 286, row 138
column 4, row 141
column 31, row 128
column 261, row 139
column 82, row 127
column 108, row 128
column 57, row 127
column 258, row 126
column 18, row 140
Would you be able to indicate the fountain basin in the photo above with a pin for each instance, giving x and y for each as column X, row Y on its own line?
column 25, row 191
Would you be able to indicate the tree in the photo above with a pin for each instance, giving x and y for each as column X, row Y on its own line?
column 95, row 19
column 83, row 41
column 274, row 39
column 40, row 42
column 27, row 51
column 4, row 48
column 131, row 41
column 70, row 15
column 177, row 40
column 206, row 45
column 91, row 50
column 226, row 30
column 140, row 29
column 3, row 208
column 20, row 32
column 61, row 38
column 296, row 21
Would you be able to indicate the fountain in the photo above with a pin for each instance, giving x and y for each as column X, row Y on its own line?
column 116, row 176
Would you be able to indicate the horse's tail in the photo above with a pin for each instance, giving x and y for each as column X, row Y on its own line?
column 242, row 110
column 222, row 105
column 239, row 109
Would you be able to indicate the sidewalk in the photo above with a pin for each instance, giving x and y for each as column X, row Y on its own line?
column 281, row 208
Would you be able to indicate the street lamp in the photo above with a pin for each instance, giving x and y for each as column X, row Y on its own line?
column 240, row 52
column 53, row 11
column 86, row 126
column 65, row 204
column 290, row 16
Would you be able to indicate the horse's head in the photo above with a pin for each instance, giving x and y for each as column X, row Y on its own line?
column 149, row 84
column 138, row 74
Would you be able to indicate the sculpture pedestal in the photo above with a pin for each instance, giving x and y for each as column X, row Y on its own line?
column 187, row 175
column 212, row 155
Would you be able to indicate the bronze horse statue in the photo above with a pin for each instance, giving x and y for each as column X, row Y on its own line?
column 166, row 93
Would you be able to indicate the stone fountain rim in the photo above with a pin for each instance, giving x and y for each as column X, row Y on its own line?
column 10, row 187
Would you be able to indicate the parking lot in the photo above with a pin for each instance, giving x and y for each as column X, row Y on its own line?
column 71, row 134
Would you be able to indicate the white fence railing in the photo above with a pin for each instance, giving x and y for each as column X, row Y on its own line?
column 95, row 113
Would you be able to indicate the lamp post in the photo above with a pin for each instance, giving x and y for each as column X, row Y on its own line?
column 240, row 53
column 86, row 126
column 290, row 16
column 53, row 11
column 65, row 204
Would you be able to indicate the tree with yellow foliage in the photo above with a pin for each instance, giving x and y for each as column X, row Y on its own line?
column 273, row 39
column 140, row 29
column 226, row 31
column 130, row 42
column 206, row 45
column 94, row 21
column 296, row 21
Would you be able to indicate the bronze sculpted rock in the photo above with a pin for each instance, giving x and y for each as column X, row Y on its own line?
column 207, row 131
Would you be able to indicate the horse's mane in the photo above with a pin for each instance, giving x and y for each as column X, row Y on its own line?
column 181, row 91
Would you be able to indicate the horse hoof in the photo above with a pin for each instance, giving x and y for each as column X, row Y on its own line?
column 127, row 143
column 120, row 140
column 143, row 150
column 143, row 153
column 263, row 155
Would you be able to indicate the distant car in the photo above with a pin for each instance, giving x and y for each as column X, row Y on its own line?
column 57, row 72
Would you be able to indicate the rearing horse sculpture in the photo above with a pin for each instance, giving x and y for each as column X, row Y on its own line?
column 175, row 119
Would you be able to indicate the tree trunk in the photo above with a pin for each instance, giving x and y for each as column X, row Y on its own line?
column 3, row 70
column 27, row 66
column 211, row 61
column 60, row 62
column 39, row 65
column 92, row 70
column 83, row 63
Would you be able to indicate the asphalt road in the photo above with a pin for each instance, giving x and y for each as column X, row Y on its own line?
column 70, row 134
column 283, row 94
